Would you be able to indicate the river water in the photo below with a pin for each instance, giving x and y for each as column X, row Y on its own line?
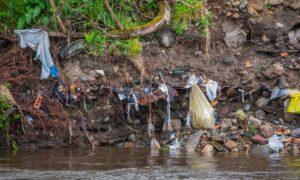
column 141, row 163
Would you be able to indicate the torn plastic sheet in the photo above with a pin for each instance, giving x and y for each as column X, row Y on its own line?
column 279, row 92
column 211, row 89
column 38, row 40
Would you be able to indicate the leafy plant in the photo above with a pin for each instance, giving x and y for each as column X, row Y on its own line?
column 252, row 129
column 14, row 146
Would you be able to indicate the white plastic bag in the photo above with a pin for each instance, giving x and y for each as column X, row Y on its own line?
column 275, row 144
column 201, row 111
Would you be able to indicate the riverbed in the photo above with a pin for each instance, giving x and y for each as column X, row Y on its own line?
column 141, row 163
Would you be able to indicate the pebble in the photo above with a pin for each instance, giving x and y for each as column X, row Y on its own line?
column 230, row 144
column 132, row 138
column 256, row 122
column 208, row 149
column 275, row 2
column 247, row 107
column 261, row 102
column 266, row 130
column 229, row 59
column 260, row 114
column 295, row 133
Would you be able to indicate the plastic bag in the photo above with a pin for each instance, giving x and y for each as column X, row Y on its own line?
column 200, row 109
column 279, row 92
column 294, row 106
column 275, row 144
column 211, row 89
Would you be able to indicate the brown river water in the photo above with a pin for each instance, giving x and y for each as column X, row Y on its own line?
column 141, row 163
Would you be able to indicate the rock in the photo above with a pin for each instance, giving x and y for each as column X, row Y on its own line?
column 275, row 2
column 176, row 124
column 262, row 150
column 229, row 26
column 154, row 145
column 193, row 141
column 247, row 107
column 295, row 5
column 230, row 59
column 233, row 128
column 234, row 122
column 231, row 92
column 218, row 138
column 253, row 12
column 266, row 130
column 261, row 102
column 132, row 138
column 226, row 125
column 128, row 145
column 295, row 133
column 247, row 147
column 236, row 3
column 258, row 5
column 218, row 146
column 295, row 149
column 260, row 114
column 256, row 122
column 236, row 38
column 208, row 149
column 166, row 39
column 243, row 5
column 230, row 144
column 235, row 149
column 236, row 15
column 287, row 132
column 265, row 39
column 259, row 139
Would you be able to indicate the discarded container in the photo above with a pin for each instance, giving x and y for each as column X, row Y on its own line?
column 177, row 72
column 294, row 106
column 279, row 92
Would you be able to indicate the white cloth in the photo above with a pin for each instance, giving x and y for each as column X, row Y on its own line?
column 37, row 39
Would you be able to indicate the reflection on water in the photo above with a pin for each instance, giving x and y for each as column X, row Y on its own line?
column 116, row 163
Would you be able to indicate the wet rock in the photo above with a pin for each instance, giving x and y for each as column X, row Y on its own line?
column 235, row 149
column 260, row 114
column 128, row 145
column 132, row 138
column 230, row 59
column 266, row 130
column 275, row 2
column 218, row 146
column 193, row 141
column 166, row 39
column 256, row 122
column 208, row 149
column 230, row 144
column 259, row 139
column 261, row 102
column 262, row 150
column 295, row 133
column 236, row 38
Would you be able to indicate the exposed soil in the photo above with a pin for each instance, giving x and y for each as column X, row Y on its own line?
column 254, row 66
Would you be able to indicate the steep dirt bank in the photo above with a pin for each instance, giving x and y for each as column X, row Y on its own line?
column 244, row 55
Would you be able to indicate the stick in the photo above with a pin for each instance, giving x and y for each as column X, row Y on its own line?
column 61, row 24
column 112, row 14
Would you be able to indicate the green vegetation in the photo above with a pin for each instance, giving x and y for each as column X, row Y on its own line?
column 93, row 18
column 252, row 130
